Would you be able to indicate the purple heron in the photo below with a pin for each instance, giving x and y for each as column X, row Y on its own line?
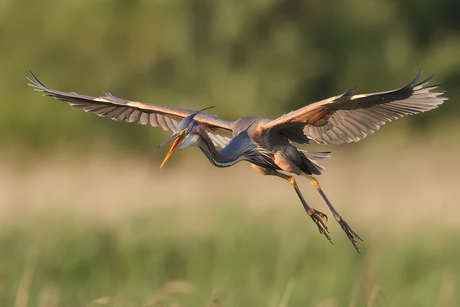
column 267, row 144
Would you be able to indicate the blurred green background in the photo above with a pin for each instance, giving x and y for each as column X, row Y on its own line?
column 88, row 219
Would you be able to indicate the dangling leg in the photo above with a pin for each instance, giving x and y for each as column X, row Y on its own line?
column 349, row 232
column 315, row 215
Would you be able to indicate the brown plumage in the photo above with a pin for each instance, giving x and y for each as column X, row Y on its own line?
column 265, row 143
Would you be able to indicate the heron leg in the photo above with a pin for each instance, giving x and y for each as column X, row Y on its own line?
column 315, row 215
column 348, row 231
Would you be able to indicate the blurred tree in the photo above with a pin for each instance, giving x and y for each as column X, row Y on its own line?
column 258, row 57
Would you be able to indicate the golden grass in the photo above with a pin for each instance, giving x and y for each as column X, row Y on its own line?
column 378, row 188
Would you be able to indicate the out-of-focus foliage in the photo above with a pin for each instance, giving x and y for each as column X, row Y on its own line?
column 237, row 260
column 260, row 58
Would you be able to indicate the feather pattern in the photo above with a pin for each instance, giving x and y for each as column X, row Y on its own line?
column 118, row 109
column 350, row 118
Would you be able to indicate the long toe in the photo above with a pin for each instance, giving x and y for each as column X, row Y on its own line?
column 318, row 217
column 350, row 233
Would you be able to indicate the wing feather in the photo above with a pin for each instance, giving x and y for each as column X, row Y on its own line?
column 153, row 120
column 350, row 117
column 118, row 109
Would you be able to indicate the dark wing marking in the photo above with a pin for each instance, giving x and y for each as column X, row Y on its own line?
column 118, row 109
column 350, row 118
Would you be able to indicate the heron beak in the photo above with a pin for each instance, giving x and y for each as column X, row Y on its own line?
column 179, row 139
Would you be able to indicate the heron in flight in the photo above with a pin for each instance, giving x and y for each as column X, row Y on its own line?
column 268, row 144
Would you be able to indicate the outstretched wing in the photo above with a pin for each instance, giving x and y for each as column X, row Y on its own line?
column 118, row 109
column 350, row 118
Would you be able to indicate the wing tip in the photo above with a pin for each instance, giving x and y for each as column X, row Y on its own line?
column 38, row 86
column 411, row 84
column 422, row 83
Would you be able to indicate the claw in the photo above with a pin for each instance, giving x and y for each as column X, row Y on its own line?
column 317, row 217
column 324, row 216
column 350, row 234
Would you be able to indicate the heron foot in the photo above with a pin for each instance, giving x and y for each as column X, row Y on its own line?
column 317, row 217
column 352, row 236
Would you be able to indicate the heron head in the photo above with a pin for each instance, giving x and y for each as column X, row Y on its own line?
column 183, row 136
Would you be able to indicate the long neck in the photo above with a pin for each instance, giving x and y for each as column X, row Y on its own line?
column 224, row 158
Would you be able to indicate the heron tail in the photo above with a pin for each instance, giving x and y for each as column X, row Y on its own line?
column 310, row 163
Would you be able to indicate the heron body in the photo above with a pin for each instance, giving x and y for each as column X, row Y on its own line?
column 269, row 144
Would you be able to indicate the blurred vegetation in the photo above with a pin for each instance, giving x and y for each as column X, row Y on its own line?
column 260, row 58
column 231, row 260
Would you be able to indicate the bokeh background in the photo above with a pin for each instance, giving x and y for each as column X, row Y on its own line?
column 88, row 219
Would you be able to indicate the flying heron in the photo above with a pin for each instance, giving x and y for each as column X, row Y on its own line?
column 267, row 144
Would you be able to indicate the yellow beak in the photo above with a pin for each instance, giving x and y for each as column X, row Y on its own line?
column 174, row 147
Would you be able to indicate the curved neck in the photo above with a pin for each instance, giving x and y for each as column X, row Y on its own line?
column 223, row 158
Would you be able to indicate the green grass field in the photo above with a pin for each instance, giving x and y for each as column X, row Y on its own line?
column 114, row 231
column 233, row 259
